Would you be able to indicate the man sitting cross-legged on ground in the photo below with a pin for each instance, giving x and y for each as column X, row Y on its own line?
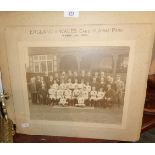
column 85, row 94
column 81, row 101
column 63, row 101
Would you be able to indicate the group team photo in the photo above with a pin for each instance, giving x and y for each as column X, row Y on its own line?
column 80, row 83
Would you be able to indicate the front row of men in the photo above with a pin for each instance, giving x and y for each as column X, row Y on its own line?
column 86, row 96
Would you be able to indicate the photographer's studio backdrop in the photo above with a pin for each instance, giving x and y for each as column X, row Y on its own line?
column 65, row 65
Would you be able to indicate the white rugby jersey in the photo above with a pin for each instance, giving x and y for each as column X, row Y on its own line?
column 55, row 86
column 81, row 85
column 75, row 85
column 85, row 94
column 68, row 92
column 76, row 93
column 60, row 92
column 63, row 86
column 52, row 91
column 93, row 93
column 69, row 85
column 88, row 88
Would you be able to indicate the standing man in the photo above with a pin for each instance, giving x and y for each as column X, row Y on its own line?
column 119, row 90
column 33, row 90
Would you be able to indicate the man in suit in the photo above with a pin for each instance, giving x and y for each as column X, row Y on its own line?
column 119, row 90
column 109, row 96
column 33, row 90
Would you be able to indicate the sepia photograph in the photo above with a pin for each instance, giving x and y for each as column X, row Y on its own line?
column 81, row 84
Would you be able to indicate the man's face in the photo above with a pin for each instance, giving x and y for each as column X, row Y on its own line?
column 108, row 78
column 118, row 78
column 89, row 74
column 82, row 72
column 56, row 74
column 94, row 79
column 69, row 80
column 108, row 86
column 93, row 88
column 102, row 79
column 75, row 73
column 102, row 73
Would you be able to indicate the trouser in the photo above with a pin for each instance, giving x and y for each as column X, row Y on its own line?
column 75, row 101
column 34, row 97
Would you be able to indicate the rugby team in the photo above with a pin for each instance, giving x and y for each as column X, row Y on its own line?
column 79, row 89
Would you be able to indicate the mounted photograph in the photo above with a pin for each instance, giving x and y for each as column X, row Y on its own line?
column 80, row 84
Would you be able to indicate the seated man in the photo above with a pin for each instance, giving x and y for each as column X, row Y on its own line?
column 59, row 94
column 75, row 84
column 85, row 94
column 76, row 93
column 109, row 96
column 81, row 101
column 55, row 85
column 81, row 85
column 62, row 85
column 93, row 95
column 88, row 87
column 100, row 98
column 52, row 95
column 69, row 84
column 63, row 101
column 68, row 96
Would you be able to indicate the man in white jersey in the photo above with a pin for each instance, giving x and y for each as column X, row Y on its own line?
column 59, row 94
column 52, row 95
column 68, row 95
column 85, row 95
column 69, row 84
column 76, row 93
column 63, row 85
column 55, row 85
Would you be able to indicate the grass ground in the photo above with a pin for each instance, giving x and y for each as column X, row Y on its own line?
column 77, row 114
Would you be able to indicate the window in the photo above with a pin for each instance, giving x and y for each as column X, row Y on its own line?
column 43, row 63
